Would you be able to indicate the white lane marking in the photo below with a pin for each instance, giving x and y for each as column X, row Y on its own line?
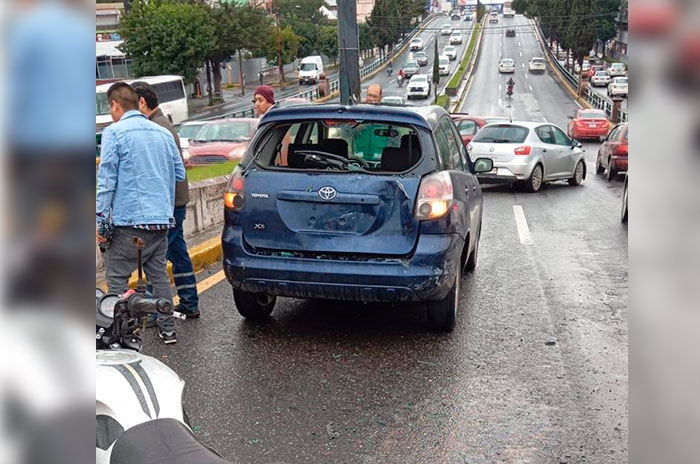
column 500, row 88
column 521, row 54
column 578, row 104
column 545, row 119
column 500, row 102
column 530, row 86
column 523, row 65
column 521, row 222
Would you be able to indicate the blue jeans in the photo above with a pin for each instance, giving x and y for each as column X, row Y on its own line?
column 183, row 273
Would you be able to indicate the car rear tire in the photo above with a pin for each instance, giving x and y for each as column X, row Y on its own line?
column 254, row 305
column 611, row 171
column 623, row 213
column 599, row 168
column 534, row 183
column 579, row 171
column 443, row 313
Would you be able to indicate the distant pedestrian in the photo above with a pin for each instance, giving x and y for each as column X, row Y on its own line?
column 374, row 94
column 263, row 99
column 139, row 166
column 261, row 75
column 183, row 272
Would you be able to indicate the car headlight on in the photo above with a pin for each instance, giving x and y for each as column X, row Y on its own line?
column 237, row 153
column 186, row 155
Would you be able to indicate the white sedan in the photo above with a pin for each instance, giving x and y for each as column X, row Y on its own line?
column 418, row 86
column 444, row 65
column 455, row 38
column 416, row 44
column 507, row 65
column 617, row 70
column 450, row 52
column 600, row 79
column 447, row 30
column 538, row 64
column 618, row 87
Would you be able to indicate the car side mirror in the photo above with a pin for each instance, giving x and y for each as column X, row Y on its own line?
column 576, row 144
column 483, row 165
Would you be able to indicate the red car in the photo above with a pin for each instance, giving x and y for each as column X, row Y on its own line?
column 612, row 156
column 468, row 125
column 588, row 124
column 220, row 141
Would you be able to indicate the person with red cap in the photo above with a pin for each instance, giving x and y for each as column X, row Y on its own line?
column 263, row 99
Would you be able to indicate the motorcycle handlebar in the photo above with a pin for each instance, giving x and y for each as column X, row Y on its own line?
column 139, row 305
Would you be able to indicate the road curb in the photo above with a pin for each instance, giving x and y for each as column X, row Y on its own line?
column 202, row 256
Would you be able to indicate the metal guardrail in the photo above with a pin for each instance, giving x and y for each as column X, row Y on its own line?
column 594, row 98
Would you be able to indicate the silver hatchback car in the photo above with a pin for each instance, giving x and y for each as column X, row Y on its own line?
column 528, row 152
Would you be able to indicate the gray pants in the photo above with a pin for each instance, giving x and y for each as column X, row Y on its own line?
column 121, row 260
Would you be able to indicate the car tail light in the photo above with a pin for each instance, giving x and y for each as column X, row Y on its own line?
column 434, row 196
column 234, row 197
column 526, row 150
column 621, row 150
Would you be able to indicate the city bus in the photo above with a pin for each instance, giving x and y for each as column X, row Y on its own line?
column 172, row 99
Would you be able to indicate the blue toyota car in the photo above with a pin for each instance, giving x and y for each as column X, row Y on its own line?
column 358, row 203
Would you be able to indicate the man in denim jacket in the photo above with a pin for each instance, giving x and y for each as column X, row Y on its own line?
column 139, row 166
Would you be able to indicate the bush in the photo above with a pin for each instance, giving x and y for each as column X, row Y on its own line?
column 443, row 100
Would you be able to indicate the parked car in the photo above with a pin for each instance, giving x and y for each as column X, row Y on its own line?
column 612, row 154
column 493, row 17
column 188, row 130
column 446, row 30
column 617, row 69
column 410, row 68
column 450, row 51
column 416, row 44
column 537, row 64
column 393, row 100
column 600, row 79
column 421, row 58
column 531, row 153
column 588, row 124
column 419, row 86
column 220, row 141
column 625, row 194
column 510, row 33
column 619, row 86
column 444, row 65
column 507, row 65
column 402, row 228
column 456, row 38
column 467, row 125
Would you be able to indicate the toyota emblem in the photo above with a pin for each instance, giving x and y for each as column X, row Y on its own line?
column 491, row 149
column 327, row 193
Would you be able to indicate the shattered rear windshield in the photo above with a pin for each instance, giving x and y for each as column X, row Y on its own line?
column 330, row 145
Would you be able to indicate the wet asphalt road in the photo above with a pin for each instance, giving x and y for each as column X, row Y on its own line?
column 330, row 382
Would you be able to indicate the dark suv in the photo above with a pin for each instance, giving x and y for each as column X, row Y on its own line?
column 358, row 203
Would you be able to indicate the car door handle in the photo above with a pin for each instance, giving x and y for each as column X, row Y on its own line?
column 544, row 150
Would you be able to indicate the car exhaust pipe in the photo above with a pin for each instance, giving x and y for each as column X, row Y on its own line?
column 264, row 299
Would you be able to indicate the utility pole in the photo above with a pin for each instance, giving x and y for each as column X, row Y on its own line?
column 349, row 45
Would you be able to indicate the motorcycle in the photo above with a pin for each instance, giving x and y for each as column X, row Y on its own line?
column 509, row 90
column 139, row 412
column 399, row 80
column 390, row 70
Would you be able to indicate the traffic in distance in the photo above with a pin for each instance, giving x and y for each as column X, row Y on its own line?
column 405, row 282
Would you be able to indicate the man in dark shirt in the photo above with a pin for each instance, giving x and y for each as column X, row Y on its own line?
column 183, row 272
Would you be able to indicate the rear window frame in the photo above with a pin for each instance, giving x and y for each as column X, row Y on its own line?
column 487, row 128
column 426, row 163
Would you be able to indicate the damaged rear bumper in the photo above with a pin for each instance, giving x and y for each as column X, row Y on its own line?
column 427, row 274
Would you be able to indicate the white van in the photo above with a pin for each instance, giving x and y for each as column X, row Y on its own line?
column 310, row 69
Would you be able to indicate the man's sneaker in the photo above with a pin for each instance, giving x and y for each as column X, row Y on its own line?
column 167, row 337
column 189, row 313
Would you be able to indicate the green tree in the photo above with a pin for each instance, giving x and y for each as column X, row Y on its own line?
column 436, row 69
column 163, row 37
column 328, row 41
column 282, row 46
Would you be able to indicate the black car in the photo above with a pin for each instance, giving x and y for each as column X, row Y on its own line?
column 367, row 203
column 510, row 33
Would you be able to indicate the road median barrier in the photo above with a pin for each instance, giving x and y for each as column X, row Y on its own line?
column 453, row 85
